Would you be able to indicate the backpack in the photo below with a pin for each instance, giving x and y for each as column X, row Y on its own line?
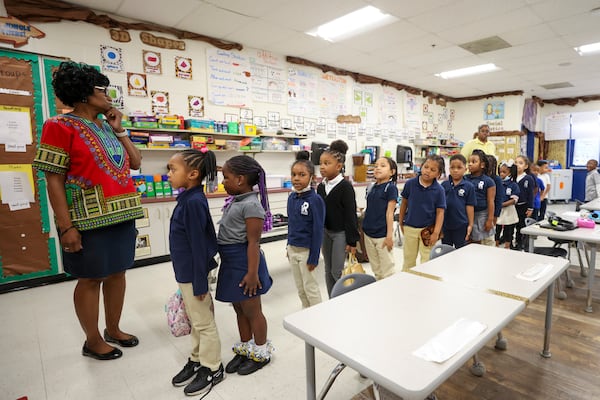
column 177, row 318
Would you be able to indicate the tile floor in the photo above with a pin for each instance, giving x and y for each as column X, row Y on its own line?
column 40, row 344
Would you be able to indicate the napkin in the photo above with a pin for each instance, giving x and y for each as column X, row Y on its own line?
column 534, row 273
column 449, row 342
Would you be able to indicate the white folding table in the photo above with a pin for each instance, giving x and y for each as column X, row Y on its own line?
column 375, row 330
column 495, row 270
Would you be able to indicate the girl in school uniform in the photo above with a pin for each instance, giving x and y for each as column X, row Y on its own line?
column 423, row 204
column 306, row 216
column 527, row 189
column 243, row 275
column 341, row 227
column 193, row 244
column 498, row 199
column 460, row 204
column 378, row 224
column 485, row 194
column 507, row 221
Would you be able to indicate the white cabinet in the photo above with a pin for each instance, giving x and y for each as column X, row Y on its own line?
column 561, row 184
column 153, row 231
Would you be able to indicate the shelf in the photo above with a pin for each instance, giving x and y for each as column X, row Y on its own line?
column 222, row 134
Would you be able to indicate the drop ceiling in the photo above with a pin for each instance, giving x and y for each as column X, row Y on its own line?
column 425, row 40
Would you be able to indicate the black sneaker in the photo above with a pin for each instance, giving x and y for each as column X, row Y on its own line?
column 249, row 366
column 233, row 365
column 204, row 381
column 187, row 373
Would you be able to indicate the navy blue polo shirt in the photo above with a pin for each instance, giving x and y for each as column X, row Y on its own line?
column 374, row 223
column 499, row 195
column 458, row 197
column 306, row 217
column 481, row 183
column 510, row 188
column 423, row 202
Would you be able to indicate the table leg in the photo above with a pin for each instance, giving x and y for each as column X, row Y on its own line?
column 530, row 241
column 591, row 272
column 309, row 355
column 548, row 326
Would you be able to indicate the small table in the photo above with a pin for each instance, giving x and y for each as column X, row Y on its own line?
column 494, row 270
column 591, row 238
column 375, row 329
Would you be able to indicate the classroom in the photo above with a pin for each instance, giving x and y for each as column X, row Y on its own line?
column 265, row 80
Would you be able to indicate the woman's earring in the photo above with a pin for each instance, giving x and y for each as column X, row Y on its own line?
column 84, row 100
column 239, row 183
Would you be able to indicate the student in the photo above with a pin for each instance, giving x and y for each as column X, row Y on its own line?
column 306, row 216
column 540, row 188
column 460, row 203
column 524, row 204
column 193, row 244
column 423, row 204
column 243, row 275
column 507, row 221
column 592, row 181
column 378, row 224
column 544, row 175
column 499, row 197
column 485, row 195
column 341, row 227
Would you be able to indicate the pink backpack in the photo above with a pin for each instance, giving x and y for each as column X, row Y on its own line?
column 177, row 318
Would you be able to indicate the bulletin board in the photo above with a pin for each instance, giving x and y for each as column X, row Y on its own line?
column 507, row 147
column 26, row 250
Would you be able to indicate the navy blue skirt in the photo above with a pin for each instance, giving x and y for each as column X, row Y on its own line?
column 106, row 251
column 234, row 266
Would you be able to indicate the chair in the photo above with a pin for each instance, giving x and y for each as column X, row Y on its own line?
column 478, row 368
column 570, row 243
column 555, row 251
column 346, row 284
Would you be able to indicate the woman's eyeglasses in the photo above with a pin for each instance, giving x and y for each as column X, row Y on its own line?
column 104, row 89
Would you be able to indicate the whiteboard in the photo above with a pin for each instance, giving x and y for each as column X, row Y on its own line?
column 584, row 150
column 585, row 125
column 557, row 126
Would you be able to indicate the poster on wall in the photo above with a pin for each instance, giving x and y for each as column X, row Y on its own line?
column 229, row 78
column 152, row 62
column 15, row 125
column 268, row 73
column 160, row 102
column 115, row 92
column 196, row 106
column 302, row 92
column 331, row 92
column 412, row 109
column 183, row 67
column 112, row 59
column 493, row 110
column 136, row 84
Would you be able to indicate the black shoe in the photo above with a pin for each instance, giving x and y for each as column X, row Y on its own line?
column 187, row 373
column 204, row 381
column 233, row 365
column 131, row 342
column 111, row 355
column 249, row 366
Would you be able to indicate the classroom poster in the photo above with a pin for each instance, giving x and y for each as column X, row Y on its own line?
column 136, row 84
column 268, row 77
column 229, row 78
column 15, row 125
column 152, row 62
column 112, row 59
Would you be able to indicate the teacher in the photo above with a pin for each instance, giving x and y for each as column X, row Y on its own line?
column 480, row 141
column 86, row 160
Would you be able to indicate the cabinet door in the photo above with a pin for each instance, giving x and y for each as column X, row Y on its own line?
column 151, row 240
column 167, row 211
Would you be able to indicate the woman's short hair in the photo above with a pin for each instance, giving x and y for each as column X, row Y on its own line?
column 74, row 82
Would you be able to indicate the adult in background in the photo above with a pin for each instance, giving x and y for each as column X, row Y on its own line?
column 592, row 181
column 480, row 141
column 87, row 163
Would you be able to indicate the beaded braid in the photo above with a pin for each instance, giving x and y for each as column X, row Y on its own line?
column 255, row 174
column 204, row 161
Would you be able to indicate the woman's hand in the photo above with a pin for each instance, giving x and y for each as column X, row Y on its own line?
column 250, row 283
column 71, row 241
column 114, row 118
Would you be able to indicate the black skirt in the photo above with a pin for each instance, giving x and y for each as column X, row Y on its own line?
column 106, row 251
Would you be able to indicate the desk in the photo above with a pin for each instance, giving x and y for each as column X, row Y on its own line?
column 494, row 269
column 591, row 237
column 591, row 205
column 375, row 329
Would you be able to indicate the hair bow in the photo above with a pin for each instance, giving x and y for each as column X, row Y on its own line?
column 508, row 163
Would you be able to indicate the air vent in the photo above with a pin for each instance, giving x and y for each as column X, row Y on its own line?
column 558, row 85
column 492, row 43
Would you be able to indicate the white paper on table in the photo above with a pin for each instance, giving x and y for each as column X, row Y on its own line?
column 449, row 342
column 534, row 273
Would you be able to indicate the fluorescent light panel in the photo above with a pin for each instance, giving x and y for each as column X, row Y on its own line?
column 588, row 49
column 477, row 69
column 359, row 21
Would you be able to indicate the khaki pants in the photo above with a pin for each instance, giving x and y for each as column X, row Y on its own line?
column 413, row 246
column 381, row 259
column 306, row 282
column 206, row 345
